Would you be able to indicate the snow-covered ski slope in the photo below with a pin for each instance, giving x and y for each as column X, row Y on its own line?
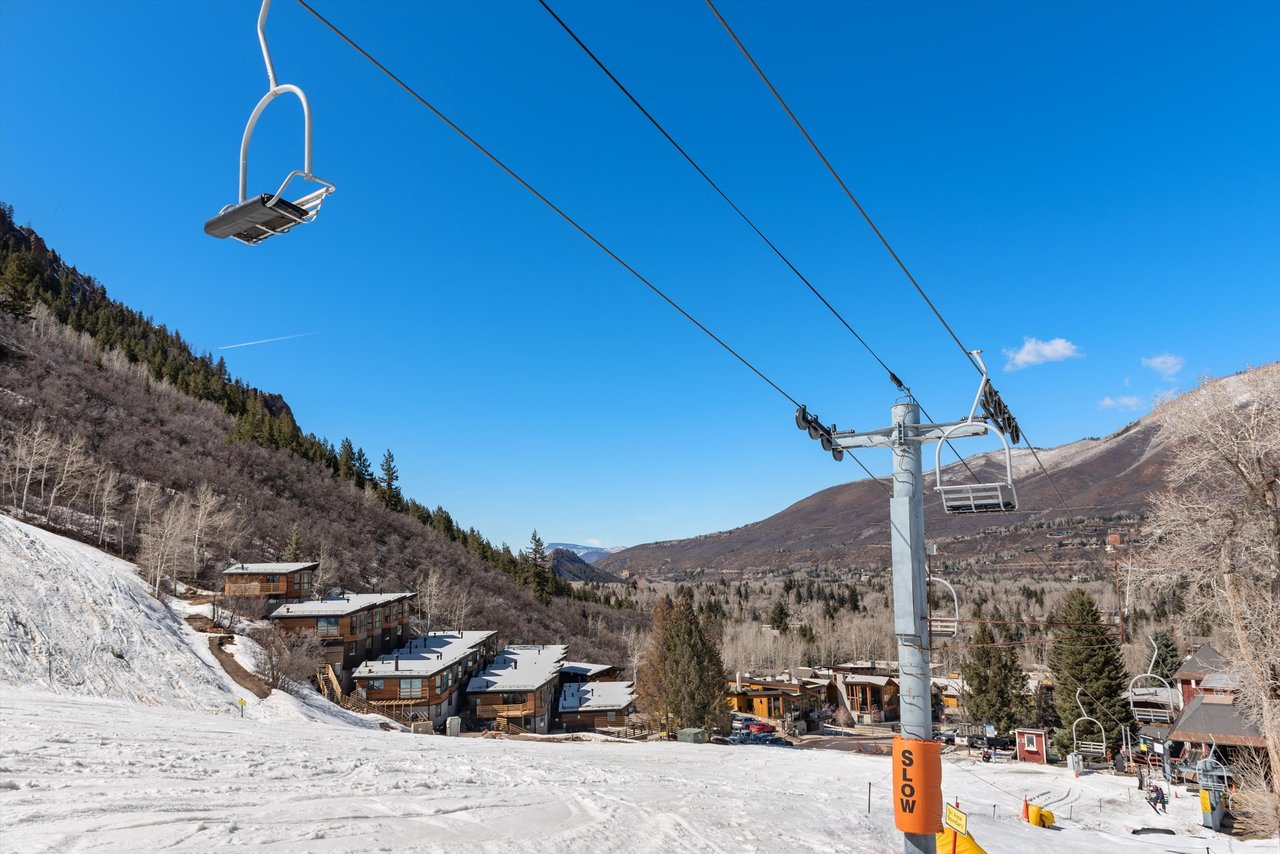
column 102, row 765
column 77, row 621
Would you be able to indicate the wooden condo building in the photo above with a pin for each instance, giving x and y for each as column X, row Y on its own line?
column 605, row 704
column 270, row 581
column 517, row 692
column 424, row 679
column 353, row 627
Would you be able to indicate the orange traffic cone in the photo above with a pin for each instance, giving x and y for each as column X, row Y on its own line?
column 1026, row 812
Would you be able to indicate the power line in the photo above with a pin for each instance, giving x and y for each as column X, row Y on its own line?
column 511, row 172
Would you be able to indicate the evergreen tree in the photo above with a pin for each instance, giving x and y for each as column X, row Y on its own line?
column 389, row 483
column 695, row 676
column 1086, row 655
column 994, row 685
column 1167, row 659
column 651, row 675
column 364, row 470
column 18, row 286
column 779, row 617
column 346, row 460
column 293, row 551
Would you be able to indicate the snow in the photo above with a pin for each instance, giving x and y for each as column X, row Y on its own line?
column 524, row 667
column 424, row 656
column 596, row 696
column 147, row 752
column 337, row 606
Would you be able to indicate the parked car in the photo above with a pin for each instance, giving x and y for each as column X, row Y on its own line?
column 977, row 741
column 999, row 742
column 742, row 722
column 760, row 726
column 946, row 736
column 775, row 741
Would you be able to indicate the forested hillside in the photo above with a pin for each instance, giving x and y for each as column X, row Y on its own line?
column 117, row 432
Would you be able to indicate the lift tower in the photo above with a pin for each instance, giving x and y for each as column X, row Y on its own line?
column 917, row 791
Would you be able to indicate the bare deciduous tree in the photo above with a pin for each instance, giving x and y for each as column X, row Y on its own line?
column 286, row 657
column 431, row 586
column 1216, row 534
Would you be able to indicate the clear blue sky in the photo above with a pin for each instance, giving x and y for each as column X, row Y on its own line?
column 1105, row 174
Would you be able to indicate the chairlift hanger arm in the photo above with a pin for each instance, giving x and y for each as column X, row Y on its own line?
column 922, row 433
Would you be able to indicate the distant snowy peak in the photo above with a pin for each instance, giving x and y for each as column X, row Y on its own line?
column 590, row 554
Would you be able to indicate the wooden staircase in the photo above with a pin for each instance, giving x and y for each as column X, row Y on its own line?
column 330, row 687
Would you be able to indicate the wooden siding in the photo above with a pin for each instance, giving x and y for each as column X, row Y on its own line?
column 286, row 586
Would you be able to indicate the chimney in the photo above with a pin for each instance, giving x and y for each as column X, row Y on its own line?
column 397, row 662
column 739, row 680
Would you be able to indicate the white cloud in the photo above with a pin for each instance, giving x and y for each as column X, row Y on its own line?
column 592, row 541
column 1167, row 365
column 1036, row 352
column 1125, row 401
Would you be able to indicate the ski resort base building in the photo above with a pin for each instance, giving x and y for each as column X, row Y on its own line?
column 353, row 627
column 424, row 680
column 517, row 692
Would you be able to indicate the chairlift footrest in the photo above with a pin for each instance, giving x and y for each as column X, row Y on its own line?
column 254, row 220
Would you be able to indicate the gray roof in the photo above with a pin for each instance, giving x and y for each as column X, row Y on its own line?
column 268, row 568
column 1220, row 682
column 337, row 606
column 1204, row 660
column 1215, row 718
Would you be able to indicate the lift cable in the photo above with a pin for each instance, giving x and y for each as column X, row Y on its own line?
column 879, row 234
column 583, row 231
column 843, row 186
column 893, row 377
column 776, row 251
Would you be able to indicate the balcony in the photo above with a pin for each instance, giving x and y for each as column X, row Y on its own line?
column 514, row 710
column 257, row 588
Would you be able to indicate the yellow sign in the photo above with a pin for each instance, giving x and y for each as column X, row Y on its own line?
column 241, row 702
column 954, row 819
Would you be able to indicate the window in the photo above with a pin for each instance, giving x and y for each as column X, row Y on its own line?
column 612, row 715
column 368, row 645
column 351, row 650
column 1029, row 741
column 375, row 684
column 327, row 627
column 377, row 620
column 304, row 581
column 410, row 688
column 273, row 579
column 513, row 699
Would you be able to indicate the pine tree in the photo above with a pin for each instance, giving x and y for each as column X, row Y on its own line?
column 1086, row 656
column 347, row 460
column 779, row 617
column 293, row 551
column 696, row 686
column 18, row 285
column 364, row 470
column 994, row 685
column 1167, row 660
column 389, row 483
column 651, row 676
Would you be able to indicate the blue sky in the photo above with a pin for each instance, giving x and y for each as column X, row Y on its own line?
column 1089, row 192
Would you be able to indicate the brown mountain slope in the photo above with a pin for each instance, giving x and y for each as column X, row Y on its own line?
column 1104, row 484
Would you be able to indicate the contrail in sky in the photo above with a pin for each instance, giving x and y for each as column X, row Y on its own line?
column 266, row 341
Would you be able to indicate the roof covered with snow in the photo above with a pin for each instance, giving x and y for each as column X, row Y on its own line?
column 424, row 656
column 597, row 697
column 520, row 668
column 337, row 606
column 268, row 568
column 583, row 668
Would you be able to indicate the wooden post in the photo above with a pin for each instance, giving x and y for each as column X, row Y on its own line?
column 868, row 797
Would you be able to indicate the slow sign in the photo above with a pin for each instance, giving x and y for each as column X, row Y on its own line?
column 917, row 785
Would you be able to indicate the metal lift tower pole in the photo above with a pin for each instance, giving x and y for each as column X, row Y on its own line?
column 910, row 603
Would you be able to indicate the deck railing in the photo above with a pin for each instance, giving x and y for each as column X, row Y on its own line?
column 257, row 588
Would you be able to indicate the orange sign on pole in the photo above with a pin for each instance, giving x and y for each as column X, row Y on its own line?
column 917, row 785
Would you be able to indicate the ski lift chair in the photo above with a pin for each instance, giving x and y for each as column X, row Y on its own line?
column 1088, row 747
column 1158, row 697
column 253, row 219
column 996, row 497
column 948, row 626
